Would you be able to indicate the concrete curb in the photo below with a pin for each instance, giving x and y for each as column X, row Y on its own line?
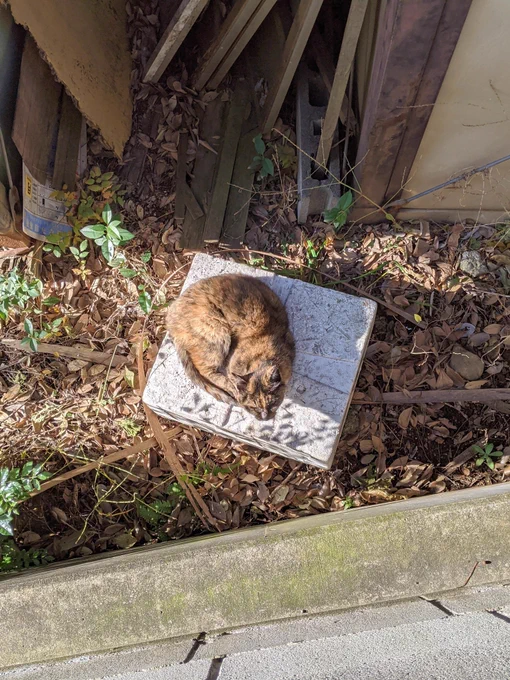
column 311, row 565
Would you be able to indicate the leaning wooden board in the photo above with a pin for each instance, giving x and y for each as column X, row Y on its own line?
column 232, row 27
column 295, row 44
column 180, row 25
column 36, row 116
column 210, row 132
column 234, row 122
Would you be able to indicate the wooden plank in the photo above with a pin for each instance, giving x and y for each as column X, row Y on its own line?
column 231, row 29
column 68, row 145
column 35, row 119
column 86, row 44
column 234, row 122
column 238, row 205
column 406, row 38
column 180, row 178
column 246, row 35
column 343, row 68
column 441, row 52
column 295, row 44
column 71, row 352
column 326, row 68
column 173, row 37
column 106, row 460
column 482, row 396
column 132, row 171
column 191, row 203
column 204, row 172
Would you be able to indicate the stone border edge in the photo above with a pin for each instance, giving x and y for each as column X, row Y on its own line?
column 266, row 573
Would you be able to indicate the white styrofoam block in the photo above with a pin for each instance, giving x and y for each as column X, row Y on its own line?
column 331, row 331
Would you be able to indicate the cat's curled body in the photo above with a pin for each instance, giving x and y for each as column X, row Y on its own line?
column 232, row 335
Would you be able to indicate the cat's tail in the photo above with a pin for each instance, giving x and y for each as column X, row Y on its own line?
column 196, row 377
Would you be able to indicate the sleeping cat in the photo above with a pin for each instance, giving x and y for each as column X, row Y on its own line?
column 232, row 336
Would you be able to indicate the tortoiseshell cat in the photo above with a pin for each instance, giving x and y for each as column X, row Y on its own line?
column 232, row 335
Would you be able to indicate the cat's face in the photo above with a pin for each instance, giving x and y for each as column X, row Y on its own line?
column 261, row 392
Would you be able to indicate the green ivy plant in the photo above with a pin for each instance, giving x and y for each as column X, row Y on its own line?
column 16, row 292
column 13, row 558
column 34, row 336
column 261, row 164
column 99, row 193
column 338, row 215
column 16, row 485
column 108, row 234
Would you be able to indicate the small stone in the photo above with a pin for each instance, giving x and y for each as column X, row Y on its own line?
column 471, row 263
column 466, row 364
column 352, row 424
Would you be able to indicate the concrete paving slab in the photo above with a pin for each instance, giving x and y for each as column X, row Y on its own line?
column 492, row 598
column 331, row 331
column 123, row 662
column 475, row 647
column 317, row 627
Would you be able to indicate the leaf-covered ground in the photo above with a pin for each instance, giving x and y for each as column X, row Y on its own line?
column 60, row 410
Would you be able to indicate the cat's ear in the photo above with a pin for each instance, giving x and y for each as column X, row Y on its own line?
column 274, row 378
column 240, row 381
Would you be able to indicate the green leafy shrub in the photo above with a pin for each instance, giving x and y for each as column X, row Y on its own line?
column 16, row 485
column 338, row 215
column 486, row 455
column 16, row 292
column 261, row 164
column 108, row 234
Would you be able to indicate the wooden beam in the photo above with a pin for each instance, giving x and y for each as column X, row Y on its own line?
column 232, row 27
column 445, row 41
column 68, row 145
column 326, row 68
column 36, row 116
column 210, row 131
column 180, row 25
column 238, row 205
column 408, row 33
column 234, row 122
column 180, row 178
column 191, row 203
column 81, row 353
column 246, row 35
column 343, row 68
column 295, row 44
column 482, row 396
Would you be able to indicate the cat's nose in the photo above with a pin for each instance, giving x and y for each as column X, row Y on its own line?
column 264, row 415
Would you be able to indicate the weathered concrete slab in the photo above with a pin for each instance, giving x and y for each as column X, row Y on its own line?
column 331, row 331
column 475, row 647
column 319, row 564
column 311, row 628
column 124, row 663
column 467, row 600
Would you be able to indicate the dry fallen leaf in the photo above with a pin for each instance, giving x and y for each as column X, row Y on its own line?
column 405, row 417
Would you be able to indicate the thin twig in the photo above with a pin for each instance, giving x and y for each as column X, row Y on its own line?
column 466, row 175
column 73, row 352
column 106, row 460
column 197, row 502
column 15, row 252
column 359, row 291
column 481, row 396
